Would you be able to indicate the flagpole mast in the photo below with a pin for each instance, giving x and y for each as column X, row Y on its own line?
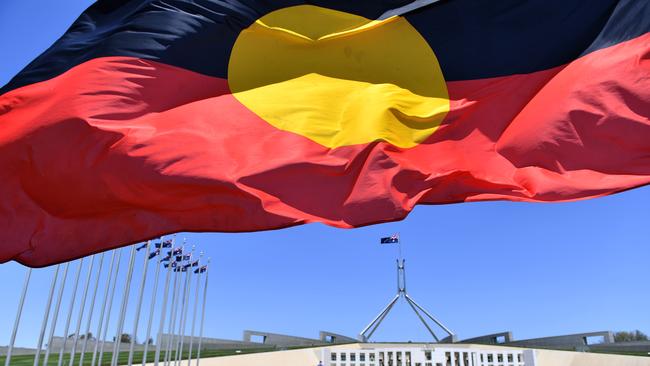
column 125, row 301
column 163, row 312
column 18, row 315
column 152, row 307
column 55, row 317
column 173, row 309
column 46, row 316
column 70, row 309
column 205, row 293
column 139, row 306
column 172, row 317
column 82, row 307
column 100, row 324
column 186, row 295
column 196, row 303
column 110, row 307
column 178, row 344
column 91, row 311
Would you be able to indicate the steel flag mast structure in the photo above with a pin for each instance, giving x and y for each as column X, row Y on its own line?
column 421, row 312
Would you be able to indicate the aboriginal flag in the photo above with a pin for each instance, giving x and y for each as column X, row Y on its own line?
column 149, row 117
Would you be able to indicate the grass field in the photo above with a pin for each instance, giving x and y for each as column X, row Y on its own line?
column 123, row 358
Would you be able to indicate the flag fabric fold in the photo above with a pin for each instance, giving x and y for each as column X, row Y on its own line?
column 149, row 117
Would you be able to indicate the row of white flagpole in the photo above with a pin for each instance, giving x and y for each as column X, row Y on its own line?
column 177, row 263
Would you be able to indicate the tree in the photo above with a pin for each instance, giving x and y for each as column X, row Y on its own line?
column 124, row 338
column 632, row 336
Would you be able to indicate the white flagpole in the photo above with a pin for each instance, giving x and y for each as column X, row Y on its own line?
column 18, row 315
column 125, row 301
column 184, row 306
column 163, row 312
column 205, row 294
column 196, row 303
column 90, row 313
column 46, row 316
column 55, row 317
column 110, row 306
column 172, row 317
column 152, row 307
column 82, row 307
column 70, row 309
column 186, row 295
column 143, row 281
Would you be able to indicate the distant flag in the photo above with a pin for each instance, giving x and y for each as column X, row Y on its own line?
column 390, row 239
column 144, row 245
column 154, row 254
column 184, row 257
column 164, row 244
column 166, row 259
column 176, row 251
column 180, row 269
column 172, row 264
column 192, row 264
column 201, row 270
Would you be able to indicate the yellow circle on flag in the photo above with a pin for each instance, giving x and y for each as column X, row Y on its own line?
column 339, row 79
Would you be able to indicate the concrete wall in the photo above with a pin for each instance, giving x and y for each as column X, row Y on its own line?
column 643, row 347
column 216, row 343
column 566, row 342
column 17, row 351
column 335, row 338
column 281, row 340
column 490, row 338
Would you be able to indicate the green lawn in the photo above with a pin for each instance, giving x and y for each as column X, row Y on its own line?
column 28, row 360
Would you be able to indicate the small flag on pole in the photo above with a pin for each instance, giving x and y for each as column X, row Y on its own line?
column 166, row 259
column 185, row 257
column 164, row 244
column 192, row 264
column 144, row 245
column 390, row 239
column 154, row 254
column 173, row 264
column 201, row 270
column 176, row 251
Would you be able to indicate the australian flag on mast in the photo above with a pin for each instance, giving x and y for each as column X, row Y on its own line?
column 390, row 239
column 164, row 244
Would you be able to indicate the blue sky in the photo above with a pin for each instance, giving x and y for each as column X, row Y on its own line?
column 534, row 269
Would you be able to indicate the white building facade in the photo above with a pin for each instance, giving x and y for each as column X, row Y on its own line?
column 429, row 356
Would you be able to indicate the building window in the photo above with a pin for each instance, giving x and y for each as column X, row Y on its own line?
column 353, row 357
column 510, row 358
column 371, row 357
column 333, row 356
column 490, row 358
column 519, row 358
column 362, row 357
column 427, row 355
column 499, row 358
column 344, row 356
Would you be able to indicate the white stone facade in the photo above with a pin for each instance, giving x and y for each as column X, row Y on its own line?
column 427, row 356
